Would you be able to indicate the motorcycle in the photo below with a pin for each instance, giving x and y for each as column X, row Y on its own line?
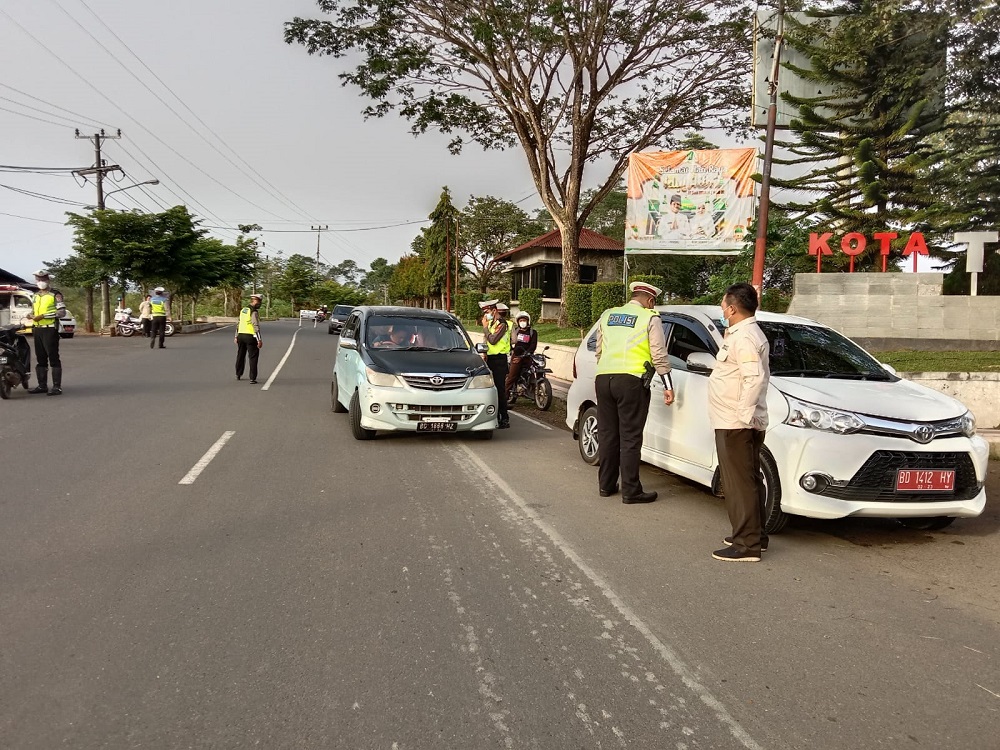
column 532, row 382
column 15, row 360
column 127, row 325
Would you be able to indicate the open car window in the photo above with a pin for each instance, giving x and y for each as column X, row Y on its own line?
column 682, row 342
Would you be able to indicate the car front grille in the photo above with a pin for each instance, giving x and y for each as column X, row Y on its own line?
column 416, row 412
column 876, row 480
column 435, row 382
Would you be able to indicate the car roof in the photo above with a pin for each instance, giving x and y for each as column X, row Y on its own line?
column 712, row 313
column 397, row 311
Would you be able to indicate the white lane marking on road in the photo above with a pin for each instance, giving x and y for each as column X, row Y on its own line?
column 682, row 670
column 207, row 458
column 281, row 364
column 220, row 328
column 529, row 419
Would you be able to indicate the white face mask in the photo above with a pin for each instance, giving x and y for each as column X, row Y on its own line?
column 43, row 285
column 523, row 324
column 489, row 316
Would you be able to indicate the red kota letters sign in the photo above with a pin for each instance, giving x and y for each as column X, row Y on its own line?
column 855, row 243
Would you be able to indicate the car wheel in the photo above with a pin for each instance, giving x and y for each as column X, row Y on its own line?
column 775, row 519
column 543, row 394
column 587, row 435
column 932, row 523
column 330, row 330
column 4, row 387
column 359, row 432
column 338, row 407
column 65, row 335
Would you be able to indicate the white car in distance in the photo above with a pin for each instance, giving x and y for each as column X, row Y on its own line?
column 846, row 436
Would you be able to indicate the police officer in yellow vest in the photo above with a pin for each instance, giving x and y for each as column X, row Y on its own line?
column 45, row 313
column 497, row 335
column 248, row 341
column 158, row 305
column 628, row 338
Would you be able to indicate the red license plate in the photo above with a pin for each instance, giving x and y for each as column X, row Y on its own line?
column 925, row 480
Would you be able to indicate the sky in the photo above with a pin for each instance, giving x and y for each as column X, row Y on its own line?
column 233, row 122
column 240, row 126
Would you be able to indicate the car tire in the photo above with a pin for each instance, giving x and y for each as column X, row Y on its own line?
column 587, row 436
column 543, row 394
column 330, row 330
column 4, row 388
column 775, row 519
column 930, row 523
column 359, row 432
column 338, row 408
column 65, row 335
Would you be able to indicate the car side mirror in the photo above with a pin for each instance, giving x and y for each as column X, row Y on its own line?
column 349, row 344
column 701, row 363
column 481, row 348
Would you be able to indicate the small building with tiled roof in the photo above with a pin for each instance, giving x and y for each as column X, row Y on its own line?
column 537, row 264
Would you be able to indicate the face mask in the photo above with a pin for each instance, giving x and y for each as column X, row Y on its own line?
column 523, row 324
column 489, row 316
column 725, row 320
column 43, row 285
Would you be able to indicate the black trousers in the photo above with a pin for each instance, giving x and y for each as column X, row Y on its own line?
column 246, row 344
column 147, row 324
column 498, row 366
column 743, row 485
column 46, row 346
column 159, row 328
column 622, row 407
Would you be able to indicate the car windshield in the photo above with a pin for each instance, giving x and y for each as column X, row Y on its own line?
column 415, row 334
column 806, row 351
column 342, row 310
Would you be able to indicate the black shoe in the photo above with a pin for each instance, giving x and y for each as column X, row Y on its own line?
column 39, row 389
column 55, row 392
column 239, row 377
column 608, row 493
column 505, row 425
column 162, row 346
column 731, row 554
column 728, row 541
column 642, row 497
column 151, row 342
column 254, row 382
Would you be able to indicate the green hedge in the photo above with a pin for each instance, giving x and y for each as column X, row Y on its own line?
column 606, row 294
column 577, row 299
column 467, row 305
column 530, row 301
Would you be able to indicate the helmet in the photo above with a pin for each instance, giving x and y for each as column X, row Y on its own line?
column 159, row 290
column 523, row 314
column 257, row 296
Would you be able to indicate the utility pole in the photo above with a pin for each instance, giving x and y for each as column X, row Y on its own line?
column 447, row 267
column 318, row 229
column 760, row 245
column 457, row 254
column 99, row 170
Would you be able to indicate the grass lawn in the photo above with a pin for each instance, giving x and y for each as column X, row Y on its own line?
column 910, row 361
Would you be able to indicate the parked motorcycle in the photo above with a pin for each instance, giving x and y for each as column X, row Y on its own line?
column 127, row 325
column 532, row 382
column 15, row 360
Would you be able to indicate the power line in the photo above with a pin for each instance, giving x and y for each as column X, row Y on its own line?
column 32, row 117
column 12, row 168
column 54, row 106
column 276, row 192
column 356, row 229
column 32, row 218
column 43, row 196
column 44, row 112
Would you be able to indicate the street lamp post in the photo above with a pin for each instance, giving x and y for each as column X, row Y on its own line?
column 153, row 181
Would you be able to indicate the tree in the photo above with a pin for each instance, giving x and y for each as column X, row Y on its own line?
column 80, row 272
column 298, row 278
column 881, row 68
column 409, row 280
column 608, row 216
column 376, row 279
column 439, row 244
column 693, row 141
column 488, row 227
column 571, row 83
column 348, row 272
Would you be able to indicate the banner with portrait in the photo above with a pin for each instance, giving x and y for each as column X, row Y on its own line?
column 690, row 202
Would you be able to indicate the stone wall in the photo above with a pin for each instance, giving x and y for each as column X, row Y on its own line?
column 885, row 311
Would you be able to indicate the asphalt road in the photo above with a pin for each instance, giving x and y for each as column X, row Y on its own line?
column 307, row 590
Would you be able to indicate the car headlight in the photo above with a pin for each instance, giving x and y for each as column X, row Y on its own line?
column 481, row 381
column 813, row 417
column 382, row 379
column 968, row 424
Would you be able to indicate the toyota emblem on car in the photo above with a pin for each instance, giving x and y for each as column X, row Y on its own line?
column 437, row 380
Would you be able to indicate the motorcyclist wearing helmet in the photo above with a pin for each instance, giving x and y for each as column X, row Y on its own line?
column 523, row 342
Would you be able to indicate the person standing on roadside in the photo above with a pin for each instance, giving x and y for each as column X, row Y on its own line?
column 45, row 314
column 248, row 340
column 737, row 408
column 497, row 336
column 629, row 342
column 158, row 308
column 146, row 315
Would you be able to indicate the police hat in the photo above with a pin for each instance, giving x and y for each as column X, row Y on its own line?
column 488, row 303
column 258, row 296
column 502, row 306
column 159, row 290
column 642, row 286
column 41, row 273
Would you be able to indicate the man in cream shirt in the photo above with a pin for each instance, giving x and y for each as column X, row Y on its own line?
column 737, row 408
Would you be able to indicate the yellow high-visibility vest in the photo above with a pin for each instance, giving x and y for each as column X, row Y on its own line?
column 625, row 340
column 44, row 303
column 246, row 325
column 502, row 346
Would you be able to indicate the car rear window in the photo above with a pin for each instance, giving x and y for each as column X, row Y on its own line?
column 342, row 310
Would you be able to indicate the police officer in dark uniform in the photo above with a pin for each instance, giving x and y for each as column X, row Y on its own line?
column 46, row 311
column 496, row 332
column 629, row 338
column 247, row 339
